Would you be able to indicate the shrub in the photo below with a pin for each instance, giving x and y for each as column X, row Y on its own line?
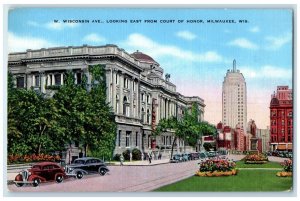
column 136, row 154
column 256, row 157
column 126, row 154
column 287, row 165
column 32, row 158
column 117, row 157
column 216, row 165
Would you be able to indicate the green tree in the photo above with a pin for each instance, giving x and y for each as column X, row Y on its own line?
column 32, row 122
column 188, row 128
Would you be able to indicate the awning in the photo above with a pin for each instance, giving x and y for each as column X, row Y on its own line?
column 281, row 147
column 290, row 146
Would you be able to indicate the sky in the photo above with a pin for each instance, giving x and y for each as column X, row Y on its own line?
column 197, row 55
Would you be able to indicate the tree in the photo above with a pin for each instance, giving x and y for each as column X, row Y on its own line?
column 32, row 122
column 188, row 128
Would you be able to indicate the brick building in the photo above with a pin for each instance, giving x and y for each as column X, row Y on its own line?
column 281, row 119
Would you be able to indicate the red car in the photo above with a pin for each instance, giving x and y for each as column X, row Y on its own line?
column 40, row 172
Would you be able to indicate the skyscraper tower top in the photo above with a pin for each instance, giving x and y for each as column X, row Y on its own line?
column 234, row 66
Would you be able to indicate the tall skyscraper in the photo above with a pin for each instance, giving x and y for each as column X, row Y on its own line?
column 234, row 98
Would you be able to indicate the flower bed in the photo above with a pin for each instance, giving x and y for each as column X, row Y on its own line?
column 32, row 158
column 288, row 169
column 216, row 168
column 256, row 159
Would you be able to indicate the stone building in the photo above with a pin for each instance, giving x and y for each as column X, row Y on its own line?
column 136, row 89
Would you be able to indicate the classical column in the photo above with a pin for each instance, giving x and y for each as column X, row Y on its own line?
column 158, row 109
column 43, row 82
column 121, row 98
column 28, row 80
column 62, row 78
column 113, row 91
column 53, row 79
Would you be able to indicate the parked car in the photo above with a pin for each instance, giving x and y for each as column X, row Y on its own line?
column 195, row 156
column 186, row 156
column 40, row 172
column 203, row 155
column 211, row 154
column 86, row 165
column 176, row 158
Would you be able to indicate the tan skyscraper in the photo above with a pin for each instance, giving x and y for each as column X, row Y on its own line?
column 234, row 98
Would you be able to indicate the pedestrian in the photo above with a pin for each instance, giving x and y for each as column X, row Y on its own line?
column 159, row 156
column 130, row 156
column 121, row 160
column 142, row 156
column 149, row 157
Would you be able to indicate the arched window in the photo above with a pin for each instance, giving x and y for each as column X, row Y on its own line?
column 143, row 115
column 117, row 104
column 148, row 116
column 125, row 105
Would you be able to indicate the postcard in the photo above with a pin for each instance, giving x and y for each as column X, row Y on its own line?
column 103, row 99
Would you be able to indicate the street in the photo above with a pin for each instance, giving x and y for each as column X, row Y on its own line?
column 127, row 178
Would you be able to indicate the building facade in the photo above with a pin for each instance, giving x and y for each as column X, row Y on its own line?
column 234, row 99
column 281, row 119
column 136, row 89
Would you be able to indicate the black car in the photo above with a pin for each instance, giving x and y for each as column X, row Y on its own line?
column 86, row 165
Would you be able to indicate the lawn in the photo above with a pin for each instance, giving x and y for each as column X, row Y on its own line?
column 241, row 164
column 246, row 181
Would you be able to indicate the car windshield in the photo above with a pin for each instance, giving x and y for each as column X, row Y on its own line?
column 36, row 167
column 79, row 162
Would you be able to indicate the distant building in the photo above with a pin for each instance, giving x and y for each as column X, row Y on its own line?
column 234, row 99
column 281, row 119
column 264, row 135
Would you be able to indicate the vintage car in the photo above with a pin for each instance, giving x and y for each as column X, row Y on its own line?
column 177, row 158
column 86, row 165
column 40, row 172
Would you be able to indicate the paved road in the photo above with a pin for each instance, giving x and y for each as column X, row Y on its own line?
column 120, row 179
column 129, row 178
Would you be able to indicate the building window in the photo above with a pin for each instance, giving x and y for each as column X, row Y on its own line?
column 148, row 99
column 20, row 82
column 57, row 79
column 282, row 131
column 78, row 78
column 125, row 106
column 36, row 80
column 148, row 116
column 136, row 139
column 117, row 79
column 119, row 138
column 143, row 115
column 282, row 122
column 133, row 86
column 142, row 97
column 128, row 137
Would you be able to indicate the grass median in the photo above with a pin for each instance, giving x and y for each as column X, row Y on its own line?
column 246, row 181
column 241, row 164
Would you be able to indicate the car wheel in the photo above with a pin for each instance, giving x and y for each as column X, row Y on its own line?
column 102, row 172
column 59, row 179
column 36, row 182
column 19, row 184
column 79, row 175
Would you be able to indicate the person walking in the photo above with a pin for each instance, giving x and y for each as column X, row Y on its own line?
column 121, row 160
column 149, row 157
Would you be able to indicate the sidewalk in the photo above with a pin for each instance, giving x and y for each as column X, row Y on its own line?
column 144, row 162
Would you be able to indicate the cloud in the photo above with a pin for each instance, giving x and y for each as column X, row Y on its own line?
column 243, row 43
column 275, row 43
column 53, row 25
column 22, row 43
column 94, row 38
column 267, row 71
column 138, row 41
column 60, row 26
column 255, row 29
column 187, row 35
